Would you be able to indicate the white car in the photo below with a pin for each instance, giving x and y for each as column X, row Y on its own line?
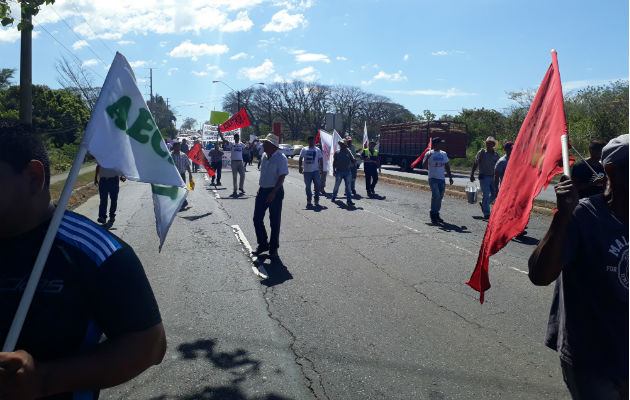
column 286, row 149
column 297, row 149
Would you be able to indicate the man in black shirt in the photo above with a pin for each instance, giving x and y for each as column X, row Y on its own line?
column 92, row 284
column 590, row 181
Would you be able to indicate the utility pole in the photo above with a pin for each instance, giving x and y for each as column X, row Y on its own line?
column 26, row 72
column 167, row 103
column 151, row 84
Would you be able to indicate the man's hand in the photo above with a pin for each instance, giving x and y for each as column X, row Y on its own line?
column 301, row 170
column 20, row 376
column 450, row 179
column 271, row 196
column 600, row 179
column 95, row 182
column 472, row 177
column 190, row 178
column 566, row 195
column 123, row 178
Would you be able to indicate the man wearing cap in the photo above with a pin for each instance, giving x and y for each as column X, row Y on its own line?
column 274, row 167
column 436, row 162
column 313, row 165
column 236, row 158
column 501, row 165
column 216, row 162
column 588, row 175
column 355, row 166
column 371, row 162
column 343, row 162
column 182, row 163
column 486, row 159
column 585, row 251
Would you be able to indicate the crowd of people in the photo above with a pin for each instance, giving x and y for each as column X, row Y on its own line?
column 103, row 337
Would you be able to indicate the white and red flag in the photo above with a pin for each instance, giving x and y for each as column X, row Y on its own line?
column 419, row 159
column 238, row 120
column 536, row 157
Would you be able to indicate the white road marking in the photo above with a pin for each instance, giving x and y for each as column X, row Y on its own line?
column 521, row 271
column 258, row 268
column 380, row 216
column 216, row 194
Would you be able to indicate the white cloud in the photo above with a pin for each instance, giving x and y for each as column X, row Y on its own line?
column 90, row 63
column 311, row 57
column 573, row 85
column 202, row 73
column 9, row 35
column 447, row 53
column 137, row 64
column 341, row 58
column 188, row 49
column 293, row 4
column 452, row 92
column 242, row 23
column 258, row 73
column 307, row 74
column 239, row 56
column 171, row 70
column 382, row 75
column 282, row 21
column 79, row 44
column 125, row 42
column 218, row 73
column 406, row 57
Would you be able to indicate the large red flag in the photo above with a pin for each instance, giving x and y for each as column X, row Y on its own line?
column 536, row 157
column 196, row 155
column 413, row 164
column 238, row 120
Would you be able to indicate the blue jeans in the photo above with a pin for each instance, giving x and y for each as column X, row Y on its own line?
column 315, row 178
column 346, row 176
column 489, row 194
column 275, row 212
column 437, row 193
column 108, row 187
column 586, row 385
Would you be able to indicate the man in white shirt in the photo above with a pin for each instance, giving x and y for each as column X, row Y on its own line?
column 436, row 162
column 182, row 163
column 107, row 186
column 274, row 167
column 313, row 165
column 236, row 157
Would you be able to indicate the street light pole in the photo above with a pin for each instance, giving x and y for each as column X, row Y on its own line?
column 238, row 92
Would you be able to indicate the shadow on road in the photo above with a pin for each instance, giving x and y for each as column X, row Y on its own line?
column 196, row 217
column 276, row 270
column 221, row 393
column 526, row 240
column 446, row 227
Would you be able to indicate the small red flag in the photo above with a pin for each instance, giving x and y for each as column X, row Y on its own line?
column 317, row 138
column 238, row 120
column 196, row 155
column 419, row 159
column 536, row 157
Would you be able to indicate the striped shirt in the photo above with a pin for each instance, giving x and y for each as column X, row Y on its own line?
column 181, row 161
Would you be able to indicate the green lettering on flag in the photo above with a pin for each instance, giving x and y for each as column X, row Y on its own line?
column 168, row 191
column 156, row 141
column 119, row 111
column 219, row 117
column 144, row 122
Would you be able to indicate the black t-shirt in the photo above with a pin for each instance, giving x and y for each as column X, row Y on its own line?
column 93, row 284
column 588, row 322
column 581, row 173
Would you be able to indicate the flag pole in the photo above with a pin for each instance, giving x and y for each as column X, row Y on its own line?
column 42, row 256
column 564, row 140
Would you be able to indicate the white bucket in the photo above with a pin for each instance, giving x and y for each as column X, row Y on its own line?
column 472, row 192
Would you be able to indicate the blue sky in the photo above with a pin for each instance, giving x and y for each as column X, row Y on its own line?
column 438, row 55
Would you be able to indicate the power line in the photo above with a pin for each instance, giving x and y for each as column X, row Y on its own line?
column 74, row 6
column 77, row 36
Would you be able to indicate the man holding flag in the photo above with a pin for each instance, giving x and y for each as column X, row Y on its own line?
column 585, row 251
column 92, row 284
column 436, row 162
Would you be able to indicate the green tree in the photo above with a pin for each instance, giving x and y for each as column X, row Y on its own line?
column 6, row 74
column 189, row 123
column 164, row 117
column 30, row 7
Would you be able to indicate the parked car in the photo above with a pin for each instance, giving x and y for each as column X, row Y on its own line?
column 297, row 149
column 286, row 149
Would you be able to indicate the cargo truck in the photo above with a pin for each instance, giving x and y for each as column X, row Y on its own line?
column 401, row 144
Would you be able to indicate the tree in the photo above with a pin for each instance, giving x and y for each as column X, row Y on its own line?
column 348, row 101
column 426, row 115
column 74, row 77
column 189, row 123
column 29, row 7
column 164, row 118
column 6, row 74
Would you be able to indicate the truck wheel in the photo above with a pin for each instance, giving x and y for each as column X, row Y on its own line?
column 404, row 165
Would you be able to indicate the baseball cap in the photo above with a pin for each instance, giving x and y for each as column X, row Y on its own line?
column 508, row 145
column 437, row 140
column 616, row 150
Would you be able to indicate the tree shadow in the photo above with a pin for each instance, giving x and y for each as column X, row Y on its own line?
column 196, row 217
column 223, row 360
column 276, row 270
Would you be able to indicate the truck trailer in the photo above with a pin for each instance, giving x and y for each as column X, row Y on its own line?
column 401, row 144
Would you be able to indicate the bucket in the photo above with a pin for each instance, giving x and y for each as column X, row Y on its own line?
column 472, row 191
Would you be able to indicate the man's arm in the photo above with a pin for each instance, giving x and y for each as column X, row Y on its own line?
column 546, row 263
column 272, row 194
column 98, row 169
column 425, row 161
column 222, row 138
column 497, row 178
column 447, row 168
column 111, row 363
column 300, row 169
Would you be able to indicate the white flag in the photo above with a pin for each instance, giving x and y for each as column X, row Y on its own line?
column 327, row 149
column 122, row 134
column 366, row 141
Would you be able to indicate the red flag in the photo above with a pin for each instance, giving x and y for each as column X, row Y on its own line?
column 196, row 155
column 317, row 138
column 413, row 164
column 238, row 120
column 536, row 157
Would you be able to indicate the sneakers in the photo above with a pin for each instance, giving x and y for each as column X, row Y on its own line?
column 434, row 218
column 316, row 202
column 234, row 194
column 241, row 191
column 438, row 219
column 101, row 220
column 218, row 183
column 333, row 199
column 354, row 192
column 112, row 218
column 350, row 203
column 260, row 249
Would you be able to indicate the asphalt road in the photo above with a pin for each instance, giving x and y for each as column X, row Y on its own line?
column 365, row 303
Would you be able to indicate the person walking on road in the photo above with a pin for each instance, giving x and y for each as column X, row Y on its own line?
column 185, row 149
column 436, row 162
column 182, row 163
column 355, row 166
column 236, row 158
column 274, row 167
column 590, row 181
column 501, row 165
column 585, row 251
column 313, row 166
column 343, row 162
column 486, row 159
column 108, row 186
column 216, row 163
column 371, row 163
column 92, row 282
column 324, row 174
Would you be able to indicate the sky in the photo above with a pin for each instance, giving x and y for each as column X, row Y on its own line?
column 437, row 55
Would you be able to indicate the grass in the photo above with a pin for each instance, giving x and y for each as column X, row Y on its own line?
column 82, row 180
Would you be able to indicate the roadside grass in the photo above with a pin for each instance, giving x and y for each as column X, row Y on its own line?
column 82, row 180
